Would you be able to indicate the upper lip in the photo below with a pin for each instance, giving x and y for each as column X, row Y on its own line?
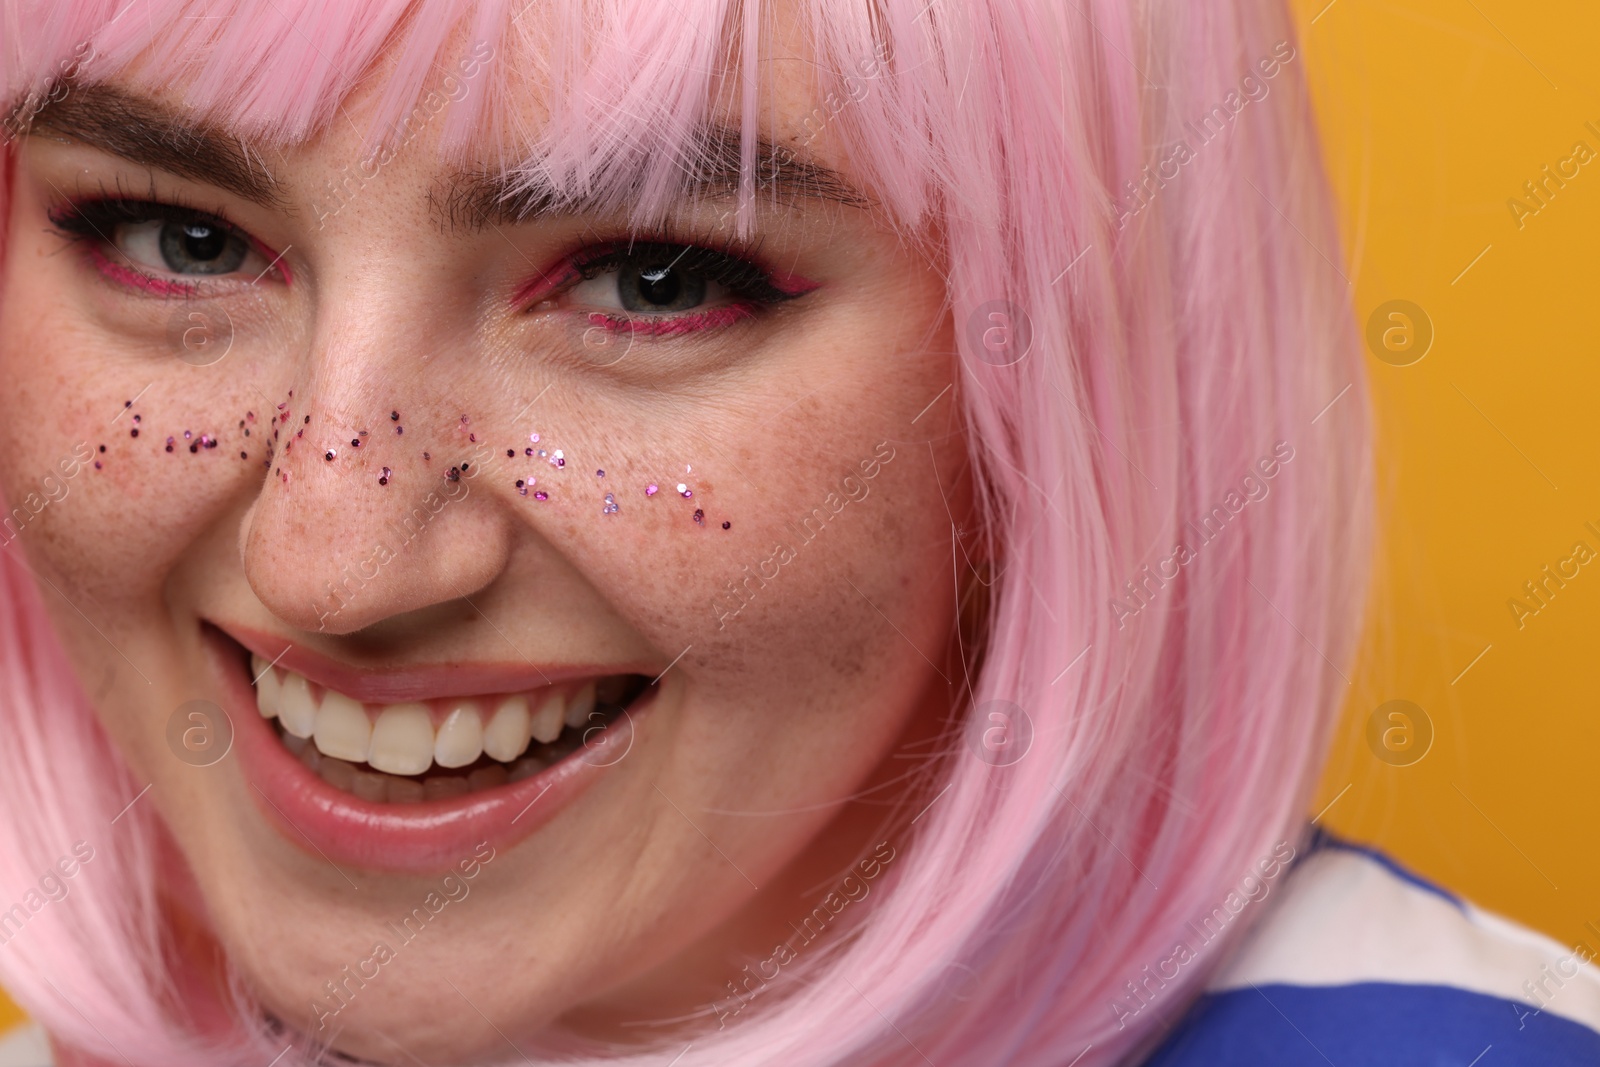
column 404, row 683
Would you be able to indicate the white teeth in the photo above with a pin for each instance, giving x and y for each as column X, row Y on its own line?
column 546, row 724
column 582, row 704
column 402, row 740
column 297, row 711
column 343, row 729
column 460, row 737
column 507, row 733
column 268, row 688
column 339, row 739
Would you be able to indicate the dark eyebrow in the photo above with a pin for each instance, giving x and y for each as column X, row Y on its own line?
column 145, row 132
column 142, row 131
column 479, row 199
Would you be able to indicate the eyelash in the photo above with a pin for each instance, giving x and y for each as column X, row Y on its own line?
column 96, row 219
column 754, row 288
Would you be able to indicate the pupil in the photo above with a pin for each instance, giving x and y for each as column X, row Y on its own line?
column 659, row 285
column 204, row 242
column 200, row 248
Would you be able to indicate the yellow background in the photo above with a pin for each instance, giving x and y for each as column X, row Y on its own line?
column 1434, row 114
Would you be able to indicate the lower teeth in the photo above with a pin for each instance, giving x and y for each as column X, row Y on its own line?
column 379, row 788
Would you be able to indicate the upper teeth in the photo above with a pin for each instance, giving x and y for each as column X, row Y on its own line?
column 403, row 738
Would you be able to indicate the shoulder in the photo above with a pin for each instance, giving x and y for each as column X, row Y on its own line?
column 24, row 1046
column 1359, row 962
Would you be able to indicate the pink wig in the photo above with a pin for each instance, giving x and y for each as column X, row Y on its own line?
column 1177, row 327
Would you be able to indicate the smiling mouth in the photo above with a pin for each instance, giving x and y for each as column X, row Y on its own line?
column 438, row 749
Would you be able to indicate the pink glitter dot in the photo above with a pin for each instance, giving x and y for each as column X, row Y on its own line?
column 684, row 490
column 651, row 490
column 541, row 495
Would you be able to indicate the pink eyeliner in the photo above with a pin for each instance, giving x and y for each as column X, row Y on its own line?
column 120, row 272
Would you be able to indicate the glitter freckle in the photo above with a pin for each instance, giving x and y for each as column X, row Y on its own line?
column 727, row 525
column 134, row 432
column 355, row 442
column 244, row 455
column 329, row 454
column 383, row 479
column 188, row 435
column 103, row 447
column 684, row 490
column 541, row 495
column 511, row 453
column 652, row 489
column 611, row 507
column 394, row 416
column 97, row 465
column 699, row 517
column 136, row 418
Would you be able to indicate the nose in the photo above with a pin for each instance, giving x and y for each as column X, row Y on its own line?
column 377, row 502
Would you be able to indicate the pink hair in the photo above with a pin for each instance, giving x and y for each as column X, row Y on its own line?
column 1182, row 325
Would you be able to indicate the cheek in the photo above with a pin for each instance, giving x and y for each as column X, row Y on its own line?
column 68, row 379
column 809, row 626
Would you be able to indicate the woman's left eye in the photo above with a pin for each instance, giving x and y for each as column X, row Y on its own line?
column 649, row 288
column 665, row 287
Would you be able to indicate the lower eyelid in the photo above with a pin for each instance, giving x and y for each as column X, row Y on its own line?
column 131, row 276
column 674, row 325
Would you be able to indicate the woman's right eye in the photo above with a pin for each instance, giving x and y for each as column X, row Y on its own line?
column 188, row 247
column 162, row 240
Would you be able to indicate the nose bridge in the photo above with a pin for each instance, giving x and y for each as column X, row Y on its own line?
column 374, row 504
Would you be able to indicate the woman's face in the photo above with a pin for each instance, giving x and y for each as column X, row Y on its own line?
column 365, row 444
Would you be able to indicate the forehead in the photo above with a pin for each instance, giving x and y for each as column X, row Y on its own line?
column 543, row 110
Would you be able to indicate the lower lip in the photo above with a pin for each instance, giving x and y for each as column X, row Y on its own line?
column 421, row 838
